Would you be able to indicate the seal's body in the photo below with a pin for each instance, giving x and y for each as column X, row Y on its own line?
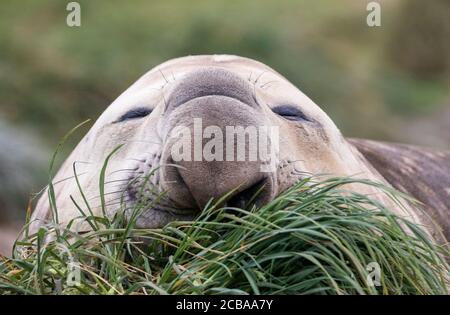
column 220, row 91
column 422, row 173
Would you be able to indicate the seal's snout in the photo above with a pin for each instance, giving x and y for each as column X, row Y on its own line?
column 238, row 185
column 218, row 152
column 195, row 183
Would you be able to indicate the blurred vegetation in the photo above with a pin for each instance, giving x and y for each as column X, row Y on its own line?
column 421, row 41
column 389, row 82
column 54, row 76
column 21, row 168
column 315, row 238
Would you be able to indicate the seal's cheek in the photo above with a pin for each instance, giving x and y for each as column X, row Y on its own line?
column 306, row 147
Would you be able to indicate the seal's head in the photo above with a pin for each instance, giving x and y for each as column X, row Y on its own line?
column 191, row 124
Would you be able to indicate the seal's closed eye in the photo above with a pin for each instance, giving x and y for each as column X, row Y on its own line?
column 134, row 113
column 290, row 112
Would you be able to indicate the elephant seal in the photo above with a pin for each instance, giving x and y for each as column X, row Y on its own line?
column 219, row 91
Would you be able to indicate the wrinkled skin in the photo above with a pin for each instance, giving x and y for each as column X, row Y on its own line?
column 222, row 90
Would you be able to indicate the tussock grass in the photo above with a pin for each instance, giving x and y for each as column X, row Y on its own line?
column 313, row 239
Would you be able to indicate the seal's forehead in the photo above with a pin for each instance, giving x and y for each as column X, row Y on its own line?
column 150, row 88
column 227, row 61
column 173, row 69
column 147, row 89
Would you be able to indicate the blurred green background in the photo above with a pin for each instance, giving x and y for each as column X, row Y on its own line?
column 388, row 83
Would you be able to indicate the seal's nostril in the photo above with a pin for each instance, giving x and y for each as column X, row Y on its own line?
column 253, row 195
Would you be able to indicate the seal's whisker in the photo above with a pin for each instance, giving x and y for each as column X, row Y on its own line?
column 121, row 182
column 173, row 165
column 117, row 180
column 118, row 186
column 106, row 194
column 297, row 172
column 142, row 160
column 123, row 197
column 123, row 191
column 124, row 170
column 145, row 141
column 164, row 101
column 114, row 204
column 137, row 160
column 259, row 77
column 295, row 161
column 160, row 71
column 150, row 152
column 262, row 86
column 67, row 178
column 83, row 162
